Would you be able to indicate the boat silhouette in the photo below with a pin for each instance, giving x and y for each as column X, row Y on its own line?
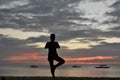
column 76, row 66
column 33, row 66
column 102, row 66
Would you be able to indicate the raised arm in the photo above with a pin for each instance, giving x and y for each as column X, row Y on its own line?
column 57, row 45
column 46, row 46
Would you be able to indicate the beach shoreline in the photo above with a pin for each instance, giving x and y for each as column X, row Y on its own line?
column 57, row 78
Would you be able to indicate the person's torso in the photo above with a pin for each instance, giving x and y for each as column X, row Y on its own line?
column 52, row 47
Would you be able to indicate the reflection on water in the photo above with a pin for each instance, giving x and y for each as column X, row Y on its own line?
column 85, row 71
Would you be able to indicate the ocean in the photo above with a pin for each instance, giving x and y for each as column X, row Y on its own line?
column 63, row 71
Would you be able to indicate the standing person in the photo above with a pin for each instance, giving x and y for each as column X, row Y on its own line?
column 52, row 54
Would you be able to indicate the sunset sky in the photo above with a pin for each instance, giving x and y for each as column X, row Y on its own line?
column 88, row 31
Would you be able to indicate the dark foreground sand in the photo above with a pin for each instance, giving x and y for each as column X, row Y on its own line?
column 57, row 78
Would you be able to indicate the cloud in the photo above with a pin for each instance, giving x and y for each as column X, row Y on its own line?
column 12, row 4
column 103, row 49
column 13, row 46
column 87, row 34
column 86, row 40
column 20, row 34
column 17, row 52
column 92, row 58
column 112, row 21
column 117, row 28
column 81, row 35
column 25, row 56
column 67, row 19
column 90, row 34
column 116, row 4
column 38, row 39
column 54, row 16
column 39, row 14
column 115, row 13
column 24, row 59
column 106, row 49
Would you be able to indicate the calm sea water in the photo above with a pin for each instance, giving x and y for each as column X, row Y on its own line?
column 84, row 71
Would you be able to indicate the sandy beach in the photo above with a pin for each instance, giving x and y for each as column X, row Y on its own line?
column 57, row 78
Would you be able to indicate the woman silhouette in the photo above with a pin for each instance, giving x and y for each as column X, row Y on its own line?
column 52, row 54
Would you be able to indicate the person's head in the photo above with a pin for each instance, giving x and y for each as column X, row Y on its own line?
column 52, row 37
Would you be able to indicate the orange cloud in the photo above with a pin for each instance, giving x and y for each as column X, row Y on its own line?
column 30, row 57
column 26, row 56
column 91, row 58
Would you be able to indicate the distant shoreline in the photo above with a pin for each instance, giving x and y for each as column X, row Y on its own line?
column 57, row 78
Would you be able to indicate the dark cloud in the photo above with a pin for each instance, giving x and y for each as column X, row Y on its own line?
column 104, row 49
column 117, row 28
column 12, row 46
column 109, row 34
column 91, row 33
column 112, row 21
column 43, row 14
column 87, row 35
column 64, row 35
column 88, row 40
column 71, row 34
column 5, row 1
column 40, row 14
column 96, row 0
column 38, row 39
column 115, row 13
column 116, row 5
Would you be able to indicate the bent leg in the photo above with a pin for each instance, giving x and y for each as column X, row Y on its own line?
column 52, row 69
column 60, row 61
